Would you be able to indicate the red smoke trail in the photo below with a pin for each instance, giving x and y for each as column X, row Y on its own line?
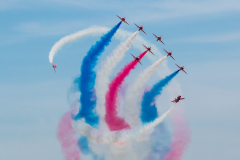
column 181, row 136
column 66, row 136
column 114, row 122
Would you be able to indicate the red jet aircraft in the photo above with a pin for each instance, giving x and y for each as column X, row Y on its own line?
column 54, row 67
column 123, row 19
column 176, row 100
column 181, row 68
column 140, row 28
column 169, row 53
column 136, row 59
column 159, row 38
column 148, row 49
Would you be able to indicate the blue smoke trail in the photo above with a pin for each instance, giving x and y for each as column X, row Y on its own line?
column 86, row 81
column 149, row 110
column 83, row 145
column 162, row 144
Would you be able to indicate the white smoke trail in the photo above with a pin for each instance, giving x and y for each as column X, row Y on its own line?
column 108, row 137
column 72, row 37
column 132, row 103
column 106, row 68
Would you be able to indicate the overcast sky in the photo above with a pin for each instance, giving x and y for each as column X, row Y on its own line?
column 204, row 36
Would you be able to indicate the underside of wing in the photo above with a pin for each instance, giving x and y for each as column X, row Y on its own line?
column 178, row 65
column 137, row 25
column 118, row 17
column 155, row 35
column 133, row 56
column 126, row 22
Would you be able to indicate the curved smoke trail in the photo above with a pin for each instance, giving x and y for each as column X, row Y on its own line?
column 72, row 37
column 107, row 137
column 133, row 94
column 112, row 119
column 86, row 81
column 148, row 102
column 106, row 68
column 66, row 136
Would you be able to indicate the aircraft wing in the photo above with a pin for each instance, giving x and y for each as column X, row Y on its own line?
column 139, row 62
column 144, row 46
column 137, row 25
column 178, row 65
column 155, row 35
column 133, row 56
column 165, row 50
column 118, row 17
column 182, row 98
column 172, row 57
column 162, row 42
column 151, row 52
column 125, row 22
column 184, row 71
column 144, row 32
